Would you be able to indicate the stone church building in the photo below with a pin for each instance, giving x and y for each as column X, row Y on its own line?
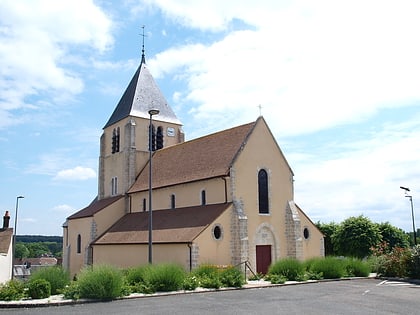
column 224, row 199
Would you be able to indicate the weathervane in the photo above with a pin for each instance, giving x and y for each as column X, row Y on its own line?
column 143, row 59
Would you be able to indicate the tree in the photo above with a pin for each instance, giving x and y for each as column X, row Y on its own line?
column 355, row 236
column 328, row 229
column 21, row 251
column 393, row 236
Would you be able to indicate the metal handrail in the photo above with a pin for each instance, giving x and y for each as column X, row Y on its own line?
column 247, row 265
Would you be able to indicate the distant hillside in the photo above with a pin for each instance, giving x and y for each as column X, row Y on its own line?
column 38, row 238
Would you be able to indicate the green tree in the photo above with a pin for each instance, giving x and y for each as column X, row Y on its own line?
column 21, row 251
column 37, row 249
column 355, row 236
column 393, row 236
column 328, row 229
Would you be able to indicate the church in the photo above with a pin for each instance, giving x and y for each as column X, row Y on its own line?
column 225, row 199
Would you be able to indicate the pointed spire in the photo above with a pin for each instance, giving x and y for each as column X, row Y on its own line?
column 143, row 58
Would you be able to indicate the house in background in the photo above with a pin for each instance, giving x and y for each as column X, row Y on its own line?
column 6, row 250
column 225, row 198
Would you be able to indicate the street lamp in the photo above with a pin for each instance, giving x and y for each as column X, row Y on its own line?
column 14, row 235
column 151, row 113
column 412, row 211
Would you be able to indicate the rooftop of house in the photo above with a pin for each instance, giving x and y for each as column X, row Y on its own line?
column 181, row 225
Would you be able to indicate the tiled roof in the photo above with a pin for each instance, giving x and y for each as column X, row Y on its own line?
column 206, row 157
column 180, row 225
column 5, row 240
column 141, row 95
column 95, row 206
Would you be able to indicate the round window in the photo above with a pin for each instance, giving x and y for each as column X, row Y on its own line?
column 306, row 233
column 217, row 232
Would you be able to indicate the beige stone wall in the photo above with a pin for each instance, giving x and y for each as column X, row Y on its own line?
column 212, row 250
column 313, row 244
column 126, row 255
column 185, row 195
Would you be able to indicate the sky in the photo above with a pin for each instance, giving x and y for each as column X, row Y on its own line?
column 338, row 83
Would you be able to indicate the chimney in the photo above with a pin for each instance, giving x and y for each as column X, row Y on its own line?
column 6, row 220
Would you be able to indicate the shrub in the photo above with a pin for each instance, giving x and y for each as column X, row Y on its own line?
column 356, row 267
column 275, row 279
column 289, row 268
column 136, row 275
column 414, row 262
column 208, row 276
column 165, row 277
column 12, row 290
column 72, row 291
column 56, row 276
column 232, row 277
column 330, row 267
column 393, row 262
column 39, row 289
column 100, row 282
column 190, row 282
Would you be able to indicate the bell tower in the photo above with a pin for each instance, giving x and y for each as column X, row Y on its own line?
column 124, row 144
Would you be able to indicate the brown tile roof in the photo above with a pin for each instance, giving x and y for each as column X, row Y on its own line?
column 206, row 157
column 180, row 225
column 5, row 240
column 95, row 206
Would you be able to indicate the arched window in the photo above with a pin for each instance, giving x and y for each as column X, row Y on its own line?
column 159, row 138
column 203, row 197
column 79, row 244
column 144, row 204
column 172, row 201
column 114, row 186
column 263, row 191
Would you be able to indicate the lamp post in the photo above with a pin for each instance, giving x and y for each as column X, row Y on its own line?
column 151, row 113
column 14, row 236
column 412, row 211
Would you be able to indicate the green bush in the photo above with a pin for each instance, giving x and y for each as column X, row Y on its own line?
column 414, row 262
column 136, row 275
column 289, row 268
column 393, row 262
column 39, row 289
column 232, row 277
column 101, row 282
column 56, row 276
column 72, row 291
column 12, row 290
column 165, row 277
column 275, row 279
column 208, row 276
column 356, row 267
column 191, row 282
column 330, row 267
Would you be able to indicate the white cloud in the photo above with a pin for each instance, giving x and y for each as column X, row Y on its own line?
column 311, row 66
column 36, row 40
column 64, row 209
column 77, row 173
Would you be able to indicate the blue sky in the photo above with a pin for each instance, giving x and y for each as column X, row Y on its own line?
column 338, row 83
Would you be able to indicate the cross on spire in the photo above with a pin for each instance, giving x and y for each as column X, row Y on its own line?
column 260, row 108
column 143, row 58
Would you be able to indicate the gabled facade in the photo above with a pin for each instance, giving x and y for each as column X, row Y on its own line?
column 224, row 199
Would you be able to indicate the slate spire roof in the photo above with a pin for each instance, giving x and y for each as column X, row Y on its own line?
column 141, row 95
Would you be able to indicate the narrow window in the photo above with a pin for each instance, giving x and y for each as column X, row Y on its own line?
column 116, row 140
column 79, row 244
column 159, row 138
column 144, row 204
column 203, row 197
column 172, row 201
column 153, row 138
column 114, row 186
column 263, row 191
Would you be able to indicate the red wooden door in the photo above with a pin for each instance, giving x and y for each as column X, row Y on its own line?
column 263, row 258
